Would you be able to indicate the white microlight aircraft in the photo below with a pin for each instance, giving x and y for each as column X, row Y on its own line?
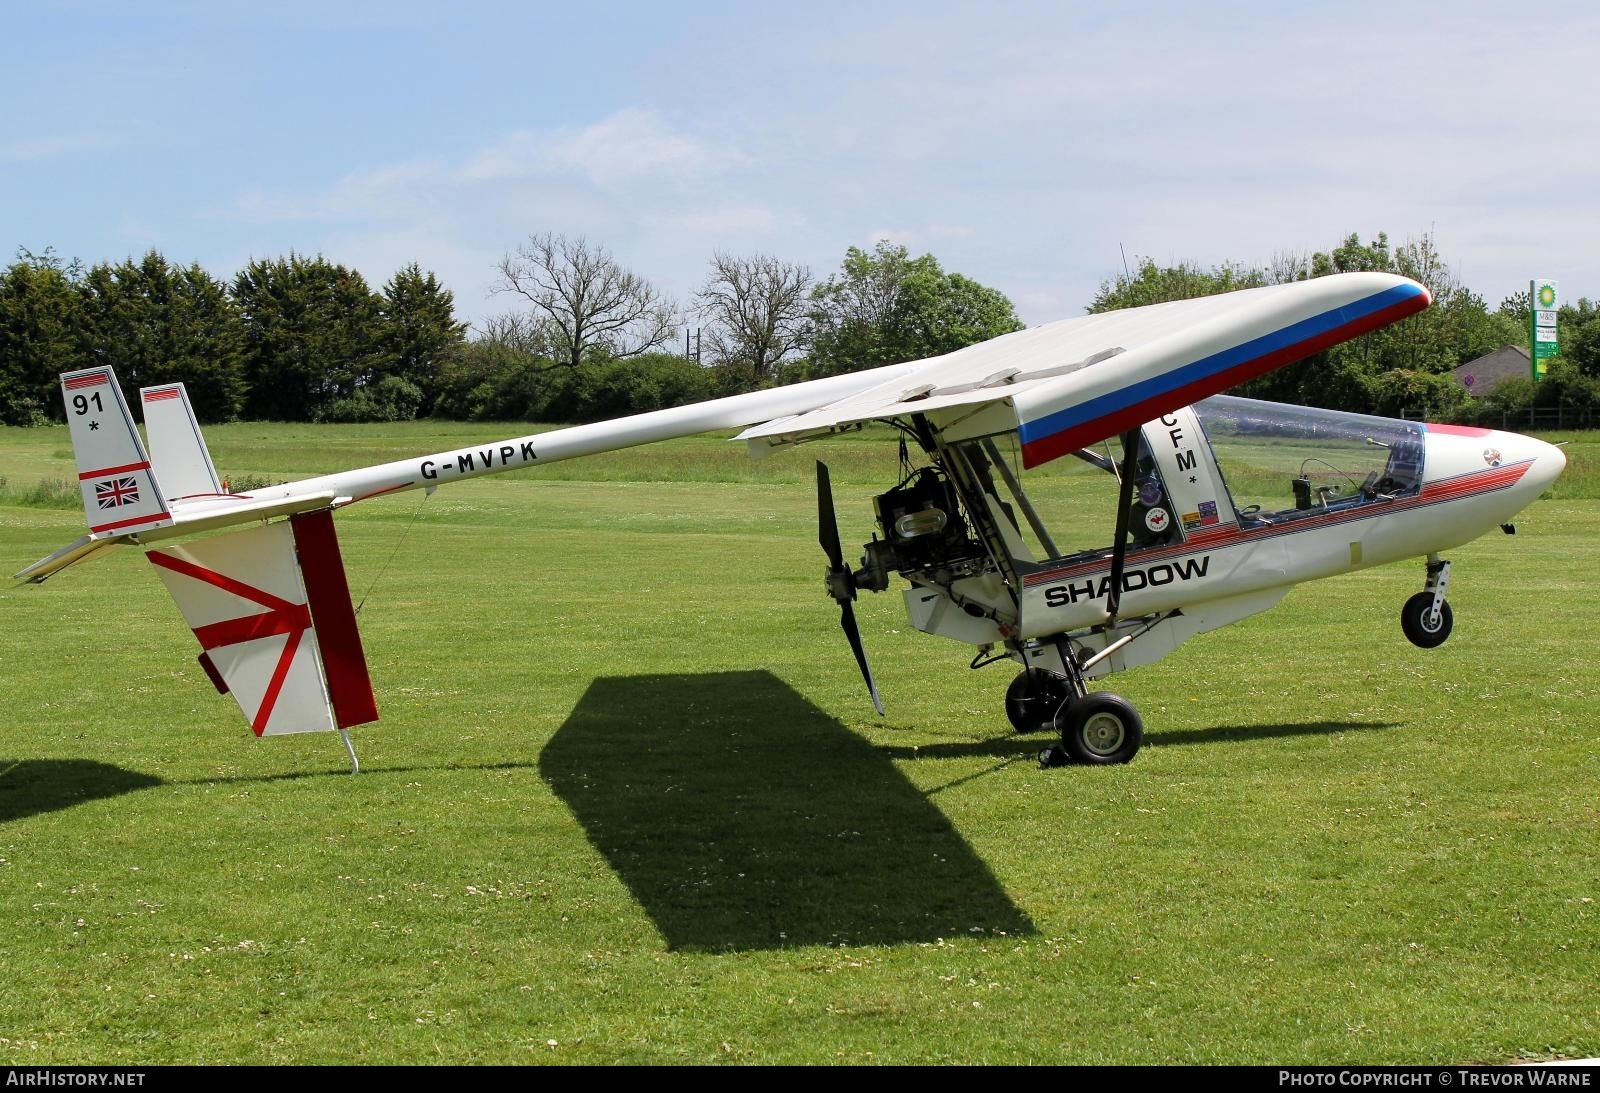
column 1221, row 505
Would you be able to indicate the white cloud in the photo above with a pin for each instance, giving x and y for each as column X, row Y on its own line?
column 648, row 191
column 626, row 147
column 394, row 192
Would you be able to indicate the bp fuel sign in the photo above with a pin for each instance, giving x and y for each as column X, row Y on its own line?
column 1542, row 324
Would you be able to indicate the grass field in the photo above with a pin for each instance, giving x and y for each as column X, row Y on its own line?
column 628, row 802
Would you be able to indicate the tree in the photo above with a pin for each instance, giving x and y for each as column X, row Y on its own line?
column 495, row 376
column 419, row 330
column 387, row 398
column 757, row 308
column 1565, row 385
column 593, row 307
column 1155, row 284
column 942, row 312
column 887, row 307
column 1579, row 326
column 1353, row 256
column 41, row 313
column 312, row 335
column 517, row 333
column 613, row 388
column 1401, row 391
column 156, row 323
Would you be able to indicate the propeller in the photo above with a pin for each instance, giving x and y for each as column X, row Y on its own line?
column 840, row 581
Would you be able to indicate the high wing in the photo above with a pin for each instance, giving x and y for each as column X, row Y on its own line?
column 1069, row 384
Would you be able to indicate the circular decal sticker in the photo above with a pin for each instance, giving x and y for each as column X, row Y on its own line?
column 1491, row 456
column 1156, row 519
column 1150, row 492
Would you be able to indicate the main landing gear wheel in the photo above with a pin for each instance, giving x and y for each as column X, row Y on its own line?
column 1422, row 627
column 1035, row 699
column 1102, row 728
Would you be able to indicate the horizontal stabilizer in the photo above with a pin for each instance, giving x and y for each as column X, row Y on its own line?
column 198, row 515
column 271, row 610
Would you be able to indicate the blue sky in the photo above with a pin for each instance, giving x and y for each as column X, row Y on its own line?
column 1025, row 145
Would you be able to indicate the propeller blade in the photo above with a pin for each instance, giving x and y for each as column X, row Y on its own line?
column 847, row 619
column 828, row 537
column 827, row 525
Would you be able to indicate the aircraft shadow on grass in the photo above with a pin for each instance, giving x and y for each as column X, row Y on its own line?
column 1012, row 745
column 31, row 786
column 741, row 816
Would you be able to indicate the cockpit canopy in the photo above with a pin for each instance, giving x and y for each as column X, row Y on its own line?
column 1279, row 460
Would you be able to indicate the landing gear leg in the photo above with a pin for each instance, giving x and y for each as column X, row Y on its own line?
column 1426, row 619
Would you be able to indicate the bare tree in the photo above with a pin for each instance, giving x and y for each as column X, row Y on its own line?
column 756, row 307
column 1288, row 266
column 518, row 332
column 589, row 304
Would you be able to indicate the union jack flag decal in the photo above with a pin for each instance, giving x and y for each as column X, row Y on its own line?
column 116, row 492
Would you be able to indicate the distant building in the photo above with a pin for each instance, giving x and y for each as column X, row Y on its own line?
column 1478, row 376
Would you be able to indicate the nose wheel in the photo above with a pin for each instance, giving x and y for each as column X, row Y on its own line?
column 1425, row 619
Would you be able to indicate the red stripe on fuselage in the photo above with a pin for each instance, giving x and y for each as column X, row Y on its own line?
column 253, row 627
column 280, row 673
column 1449, row 489
column 1458, row 430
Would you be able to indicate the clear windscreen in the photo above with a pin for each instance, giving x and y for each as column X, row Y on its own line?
column 1284, row 459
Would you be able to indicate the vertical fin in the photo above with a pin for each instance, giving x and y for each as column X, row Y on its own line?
column 120, row 494
column 182, row 463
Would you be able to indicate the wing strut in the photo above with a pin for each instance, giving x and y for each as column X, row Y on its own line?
column 1119, row 549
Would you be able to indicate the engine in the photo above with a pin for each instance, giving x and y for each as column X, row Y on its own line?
column 924, row 533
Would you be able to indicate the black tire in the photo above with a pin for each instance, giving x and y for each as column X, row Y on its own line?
column 1420, row 630
column 1102, row 728
column 1035, row 699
